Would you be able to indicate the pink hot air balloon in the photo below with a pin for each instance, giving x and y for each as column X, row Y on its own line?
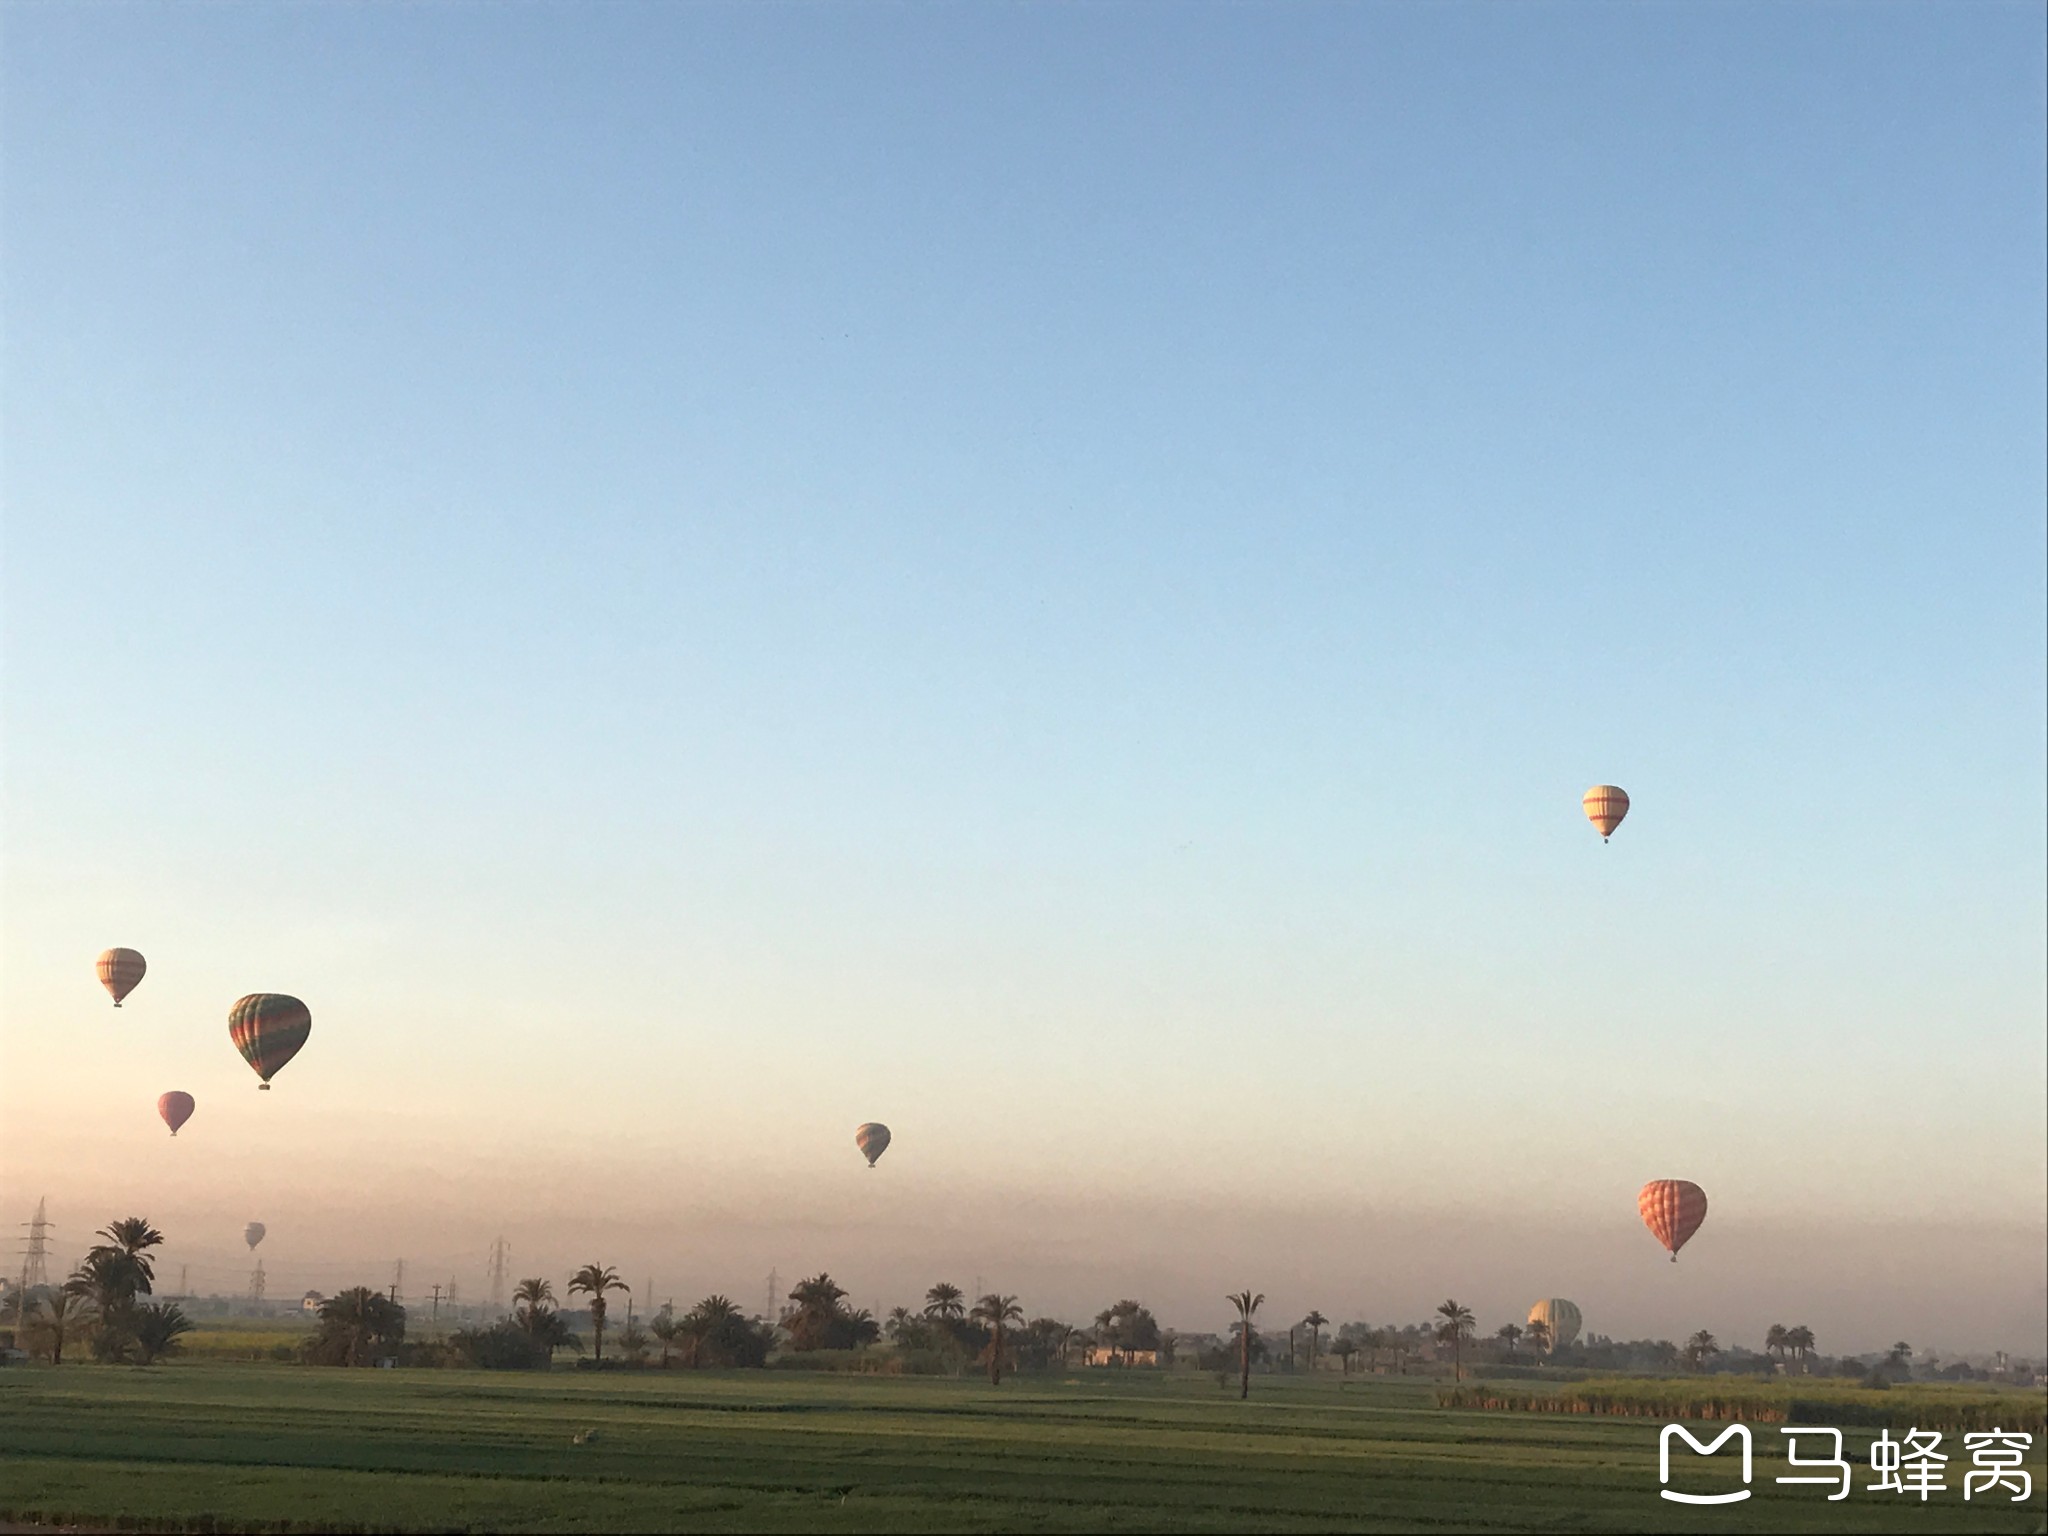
column 120, row 970
column 1672, row 1209
column 176, row 1108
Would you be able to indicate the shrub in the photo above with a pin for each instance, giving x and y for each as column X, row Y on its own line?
column 503, row 1346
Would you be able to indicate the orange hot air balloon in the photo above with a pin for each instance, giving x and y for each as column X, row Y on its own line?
column 873, row 1141
column 1672, row 1209
column 1605, row 805
column 120, row 970
column 176, row 1108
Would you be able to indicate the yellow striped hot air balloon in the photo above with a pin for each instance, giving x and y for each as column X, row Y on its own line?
column 120, row 969
column 1560, row 1317
column 1605, row 805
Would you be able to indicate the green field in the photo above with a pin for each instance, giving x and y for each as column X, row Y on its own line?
column 225, row 1447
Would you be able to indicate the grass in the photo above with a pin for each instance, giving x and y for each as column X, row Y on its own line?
column 1924, row 1405
column 212, row 1446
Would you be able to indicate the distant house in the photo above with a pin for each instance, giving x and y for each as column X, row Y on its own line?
column 312, row 1302
column 1103, row 1354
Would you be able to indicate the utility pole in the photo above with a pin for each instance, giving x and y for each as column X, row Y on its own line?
column 184, row 1277
column 437, row 1304
column 774, row 1286
column 501, row 1251
column 454, row 1310
column 397, row 1282
column 256, row 1283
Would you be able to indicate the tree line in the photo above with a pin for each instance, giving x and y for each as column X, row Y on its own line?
column 101, row 1308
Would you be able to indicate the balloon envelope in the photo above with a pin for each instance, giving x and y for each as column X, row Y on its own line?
column 1605, row 805
column 253, row 1233
column 1560, row 1317
column 120, row 970
column 1672, row 1209
column 268, row 1028
column 873, row 1141
column 176, row 1108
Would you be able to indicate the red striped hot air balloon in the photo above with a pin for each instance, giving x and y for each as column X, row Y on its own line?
column 1672, row 1209
column 268, row 1028
column 873, row 1141
column 176, row 1108
column 120, row 970
column 1605, row 805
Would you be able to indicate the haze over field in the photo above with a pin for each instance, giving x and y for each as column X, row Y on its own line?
column 692, row 577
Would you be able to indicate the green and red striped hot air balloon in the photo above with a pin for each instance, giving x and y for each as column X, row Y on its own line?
column 873, row 1140
column 268, row 1028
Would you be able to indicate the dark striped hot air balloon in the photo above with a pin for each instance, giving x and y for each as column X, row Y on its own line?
column 1672, row 1209
column 1605, row 805
column 120, row 970
column 268, row 1028
column 176, row 1108
column 873, row 1141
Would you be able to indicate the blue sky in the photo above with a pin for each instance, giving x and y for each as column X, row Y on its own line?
column 875, row 551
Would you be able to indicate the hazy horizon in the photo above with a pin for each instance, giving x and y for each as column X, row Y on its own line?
column 690, row 577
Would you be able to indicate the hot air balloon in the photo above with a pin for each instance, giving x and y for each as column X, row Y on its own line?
column 120, row 970
column 252, row 1234
column 1561, row 1317
column 1672, row 1209
column 1605, row 805
column 873, row 1141
column 268, row 1028
column 176, row 1108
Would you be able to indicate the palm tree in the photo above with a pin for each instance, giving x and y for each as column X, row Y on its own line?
column 156, row 1328
column 362, row 1314
column 1454, row 1330
column 1246, row 1304
column 1776, row 1340
column 1699, row 1347
column 666, row 1327
column 1538, row 1335
column 899, row 1319
column 1509, row 1335
column 993, row 1311
column 1800, row 1341
column 1315, row 1323
column 530, row 1296
column 64, row 1313
column 817, row 1316
column 1344, row 1347
column 708, row 1320
column 944, row 1302
column 593, row 1280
